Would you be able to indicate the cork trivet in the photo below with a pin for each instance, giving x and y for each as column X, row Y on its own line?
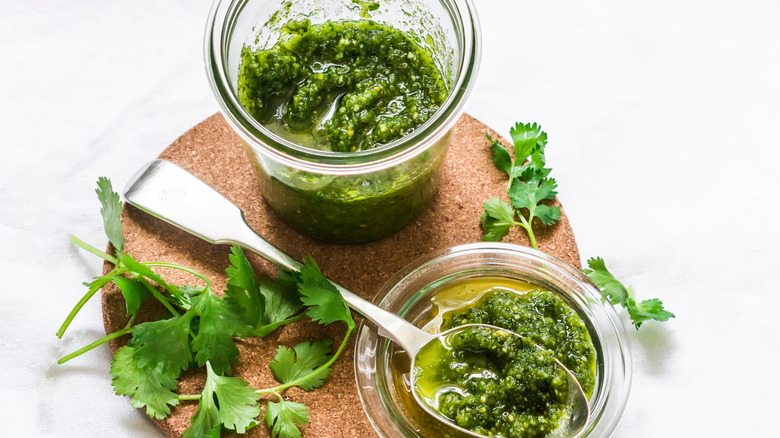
column 215, row 154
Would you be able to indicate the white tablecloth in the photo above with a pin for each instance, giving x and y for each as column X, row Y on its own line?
column 663, row 124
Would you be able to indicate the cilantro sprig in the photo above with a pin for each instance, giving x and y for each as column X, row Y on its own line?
column 530, row 189
column 308, row 364
column 618, row 294
column 227, row 402
column 199, row 330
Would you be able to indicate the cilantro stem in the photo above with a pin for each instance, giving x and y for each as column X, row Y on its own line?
column 97, row 343
column 277, row 389
column 89, row 248
column 529, row 229
column 94, row 287
column 171, row 289
column 264, row 330
column 142, row 278
column 183, row 397
column 182, row 268
column 155, row 293
column 281, row 399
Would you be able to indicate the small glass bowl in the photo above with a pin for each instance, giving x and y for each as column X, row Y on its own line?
column 346, row 197
column 409, row 294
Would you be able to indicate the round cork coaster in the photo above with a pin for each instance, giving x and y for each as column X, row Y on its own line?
column 215, row 154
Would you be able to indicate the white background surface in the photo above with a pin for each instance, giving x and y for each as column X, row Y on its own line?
column 663, row 124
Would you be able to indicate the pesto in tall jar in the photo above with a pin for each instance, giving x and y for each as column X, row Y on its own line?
column 342, row 85
column 345, row 86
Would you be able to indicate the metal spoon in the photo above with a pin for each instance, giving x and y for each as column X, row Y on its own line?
column 170, row 193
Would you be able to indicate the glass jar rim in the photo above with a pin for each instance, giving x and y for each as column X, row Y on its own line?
column 288, row 153
column 606, row 406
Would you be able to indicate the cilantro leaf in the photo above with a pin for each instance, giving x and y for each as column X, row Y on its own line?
column 218, row 323
column 281, row 299
column 549, row 215
column 611, row 288
column 205, row 423
column 617, row 293
column 284, row 417
column 133, row 291
column 308, row 359
column 238, row 406
column 267, row 304
column 242, row 287
column 529, row 195
column 184, row 301
column 650, row 309
column 163, row 343
column 529, row 141
column 497, row 218
column 110, row 208
column 500, row 156
column 148, row 387
column 289, row 277
column 226, row 401
column 324, row 301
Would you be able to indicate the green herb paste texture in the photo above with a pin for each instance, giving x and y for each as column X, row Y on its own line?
column 504, row 385
column 341, row 86
column 544, row 318
column 494, row 383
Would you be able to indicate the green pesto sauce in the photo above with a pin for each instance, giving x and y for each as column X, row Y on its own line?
column 500, row 386
column 354, row 209
column 544, row 318
column 341, row 86
column 493, row 383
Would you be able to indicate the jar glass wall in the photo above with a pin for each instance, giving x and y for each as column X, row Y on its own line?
column 346, row 196
column 379, row 364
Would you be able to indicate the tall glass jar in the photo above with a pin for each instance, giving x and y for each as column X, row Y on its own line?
column 346, row 197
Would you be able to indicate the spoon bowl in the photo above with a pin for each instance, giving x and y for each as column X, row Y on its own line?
column 573, row 420
column 172, row 194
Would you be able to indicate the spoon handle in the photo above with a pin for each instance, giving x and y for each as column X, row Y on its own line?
column 168, row 192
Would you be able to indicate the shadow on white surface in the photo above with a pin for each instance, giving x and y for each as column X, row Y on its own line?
column 653, row 346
